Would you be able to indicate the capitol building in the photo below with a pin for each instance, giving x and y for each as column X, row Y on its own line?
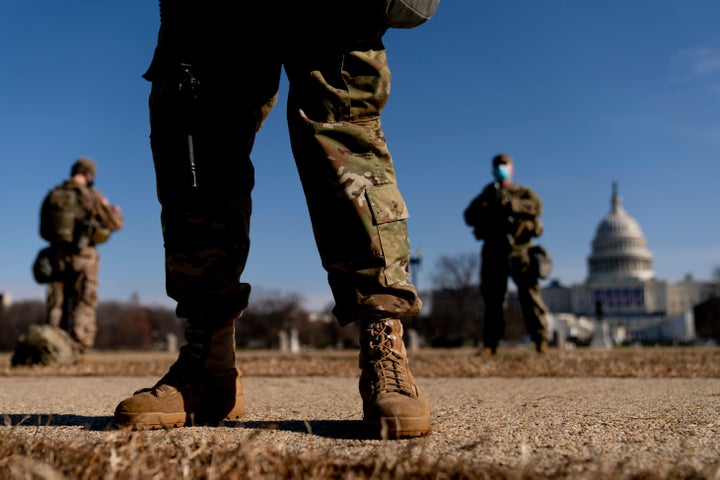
column 621, row 287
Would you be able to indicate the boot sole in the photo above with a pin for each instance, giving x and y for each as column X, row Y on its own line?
column 165, row 420
column 150, row 420
column 400, row 427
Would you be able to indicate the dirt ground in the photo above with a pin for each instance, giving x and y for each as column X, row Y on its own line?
column 661, row 422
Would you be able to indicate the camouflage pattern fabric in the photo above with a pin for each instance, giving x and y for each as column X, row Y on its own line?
column 106, row 219
column 507, row 213
column 71, row 300
column 506, row 220
column 61, row 213
column 91, row 213
column 339, row 83
column 45, row 345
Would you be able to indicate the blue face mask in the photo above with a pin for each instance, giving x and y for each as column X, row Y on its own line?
column 501, row 173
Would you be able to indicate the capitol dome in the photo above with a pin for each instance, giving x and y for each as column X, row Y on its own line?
column 619, row 249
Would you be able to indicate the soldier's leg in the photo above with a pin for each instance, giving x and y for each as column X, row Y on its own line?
column 201, row 149
column 204, row 181
column 55, row 298
column 535, row 314
column 82, row 317
column 59, row 291
column 494, row 273
column 532, row 305
column 357, row 211
column 359, row 221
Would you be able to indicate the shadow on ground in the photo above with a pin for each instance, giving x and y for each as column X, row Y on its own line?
column 338, row 429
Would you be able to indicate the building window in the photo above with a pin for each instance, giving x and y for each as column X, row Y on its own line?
column 626, row 297
column 639, row 297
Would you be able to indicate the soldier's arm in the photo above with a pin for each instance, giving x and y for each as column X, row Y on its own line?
column 476, row 212
column 110, row 215
column 471, row 212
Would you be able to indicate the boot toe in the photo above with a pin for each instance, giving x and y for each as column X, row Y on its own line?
column 397, row 416
column 145, row 411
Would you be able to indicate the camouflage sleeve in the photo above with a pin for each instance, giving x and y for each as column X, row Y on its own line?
column 109, row 215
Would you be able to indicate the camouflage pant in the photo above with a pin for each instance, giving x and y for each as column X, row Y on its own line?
column 71, row 303
column 496, row 267
column 357, row 212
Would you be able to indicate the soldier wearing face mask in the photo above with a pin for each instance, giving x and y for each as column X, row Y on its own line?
column 505, row 218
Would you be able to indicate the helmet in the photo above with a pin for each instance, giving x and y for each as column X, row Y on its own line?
column 83, row 165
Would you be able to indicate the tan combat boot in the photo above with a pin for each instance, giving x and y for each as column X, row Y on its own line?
column 202, row 387
column 392, row 402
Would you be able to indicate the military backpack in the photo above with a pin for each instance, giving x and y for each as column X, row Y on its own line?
column 62, row 215
column 45, row 344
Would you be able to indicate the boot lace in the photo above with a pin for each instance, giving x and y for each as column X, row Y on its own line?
column 388, row 363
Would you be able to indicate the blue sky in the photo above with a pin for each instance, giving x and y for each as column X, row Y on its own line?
column 581, row 93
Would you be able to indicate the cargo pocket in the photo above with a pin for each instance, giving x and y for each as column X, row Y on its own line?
column 389, row 212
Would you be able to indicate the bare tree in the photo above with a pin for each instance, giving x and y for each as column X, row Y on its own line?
column 456, row 301
column 456, row 273
column 123, row 326
column 269, row 313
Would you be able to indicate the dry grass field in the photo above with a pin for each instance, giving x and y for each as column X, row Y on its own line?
column 134, row 455
column 517, row 362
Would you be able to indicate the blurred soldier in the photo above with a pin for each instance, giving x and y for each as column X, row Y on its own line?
column 215, row 76
column 75, row 218
column 505, row 217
